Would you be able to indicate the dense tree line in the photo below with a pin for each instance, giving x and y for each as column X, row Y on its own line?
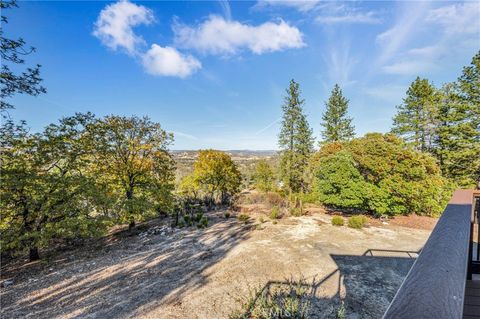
column 438, row 149
column 445, row 122
column 79, row 176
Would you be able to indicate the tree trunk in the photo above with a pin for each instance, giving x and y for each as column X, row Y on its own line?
column 132, row 224
column 33, row 254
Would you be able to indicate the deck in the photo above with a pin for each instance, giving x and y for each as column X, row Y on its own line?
column 444, row 282
column 471, row 308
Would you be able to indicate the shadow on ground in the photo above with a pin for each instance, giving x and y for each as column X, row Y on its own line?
column 128, row 283
column 365, row 284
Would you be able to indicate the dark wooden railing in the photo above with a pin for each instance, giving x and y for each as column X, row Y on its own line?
column 435, row 285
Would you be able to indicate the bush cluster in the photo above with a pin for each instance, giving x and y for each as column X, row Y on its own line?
column 243, row 218
column 379, row 174
column 275, row 213
column 357, row 222
column 337, row 221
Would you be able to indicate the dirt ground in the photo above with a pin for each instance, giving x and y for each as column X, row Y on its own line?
column 189, row 273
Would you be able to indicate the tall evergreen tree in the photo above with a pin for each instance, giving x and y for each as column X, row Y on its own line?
column 466, row 163
column 337, row 126
column 415, row 118
column 295, row 140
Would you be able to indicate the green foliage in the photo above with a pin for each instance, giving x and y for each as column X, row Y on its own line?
column 339, row 183
column 216, row 176
column 275, row 212
column 243, row 218
column 189, row 187
column 288, row 300
column 203, row 222
column 226, row 215
column 263, row 177
column 457, row 141
column 378, row 173
column 341, row 312
column 133, row 161
column 12, row 52
column 336, row 125
column 415, row 119
column 337, row 221
column 296, row 211
column 357, row 222
column 295, row 140
column 198, row 217
column 44, row 193
column 446, row 123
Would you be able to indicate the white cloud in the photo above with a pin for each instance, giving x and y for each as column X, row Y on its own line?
column 461, row 18
column 115, row 22
column 219, row 36
column 300, row 5
column 350, row 18
column 167, row 61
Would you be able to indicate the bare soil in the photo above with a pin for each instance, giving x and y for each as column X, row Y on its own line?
column 190, row 273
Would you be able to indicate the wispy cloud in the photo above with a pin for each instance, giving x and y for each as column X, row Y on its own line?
column 350, row 18
column 409, row 67
column 227, row 11
column 184, row 135
column 455, row 27
column 391, row 93
column 268, row 126
column 219, row 36
column 300, row 5
column 408, row 21
column 459, row 18
column 339, row 61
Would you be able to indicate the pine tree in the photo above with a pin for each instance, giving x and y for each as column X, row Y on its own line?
column 295, row 140
column 466, row 168
column 337, row 126
column 415, row 119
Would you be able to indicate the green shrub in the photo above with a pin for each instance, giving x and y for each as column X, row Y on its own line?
column 198, row 217
column 226, row 215
column 275, row 213
column 285, row 300
column 203, row 222
column 341, row 312
column 243, row 218
column 357, row 222
column 274, row 222
column 296, row 211
column 186, row 218
column 181, row 224
column 261, row 220
column 379, row 174
column 337, row 221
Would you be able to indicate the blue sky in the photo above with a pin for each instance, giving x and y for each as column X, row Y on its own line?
column 214, row 73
